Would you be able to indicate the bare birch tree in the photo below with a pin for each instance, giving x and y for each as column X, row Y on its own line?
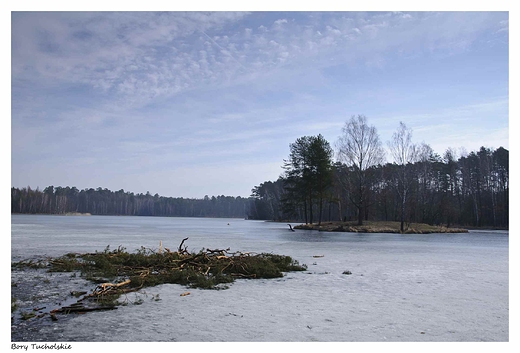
column 360, row 148
column 404, row 153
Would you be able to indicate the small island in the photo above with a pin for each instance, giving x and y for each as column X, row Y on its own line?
column 379, row 227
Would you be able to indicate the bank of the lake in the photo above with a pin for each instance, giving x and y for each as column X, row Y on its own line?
column 379, row 227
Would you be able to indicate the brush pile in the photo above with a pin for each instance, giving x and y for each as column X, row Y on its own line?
column 118, row 272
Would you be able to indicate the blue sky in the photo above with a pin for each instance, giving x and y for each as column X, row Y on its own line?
column 207, row 103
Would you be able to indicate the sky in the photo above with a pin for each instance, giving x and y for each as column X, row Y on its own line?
column 188, row 104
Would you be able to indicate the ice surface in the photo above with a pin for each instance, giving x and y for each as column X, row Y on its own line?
column 413, row 288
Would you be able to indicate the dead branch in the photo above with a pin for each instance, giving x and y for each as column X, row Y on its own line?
column 217, row 251
column 180, row 246
column 104, row 286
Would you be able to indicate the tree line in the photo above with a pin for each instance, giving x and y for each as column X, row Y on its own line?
column 471, row 189
column 63, row 200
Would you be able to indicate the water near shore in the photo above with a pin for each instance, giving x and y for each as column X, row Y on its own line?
column 414, row 287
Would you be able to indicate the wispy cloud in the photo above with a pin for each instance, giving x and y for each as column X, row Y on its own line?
column 145, row 55
column 127, row 90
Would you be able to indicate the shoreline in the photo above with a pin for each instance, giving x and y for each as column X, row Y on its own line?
column 379, row 227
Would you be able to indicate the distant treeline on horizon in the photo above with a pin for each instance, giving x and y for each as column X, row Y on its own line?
column 63, row 200
column 472, row 190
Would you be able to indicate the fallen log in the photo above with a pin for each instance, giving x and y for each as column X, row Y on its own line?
column 84, row 309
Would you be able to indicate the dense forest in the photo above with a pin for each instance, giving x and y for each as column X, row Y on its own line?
column 471, row 189
column 63, row 200
column 418, row 186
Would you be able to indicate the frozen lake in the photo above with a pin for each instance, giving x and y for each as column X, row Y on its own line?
column 403, row 288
